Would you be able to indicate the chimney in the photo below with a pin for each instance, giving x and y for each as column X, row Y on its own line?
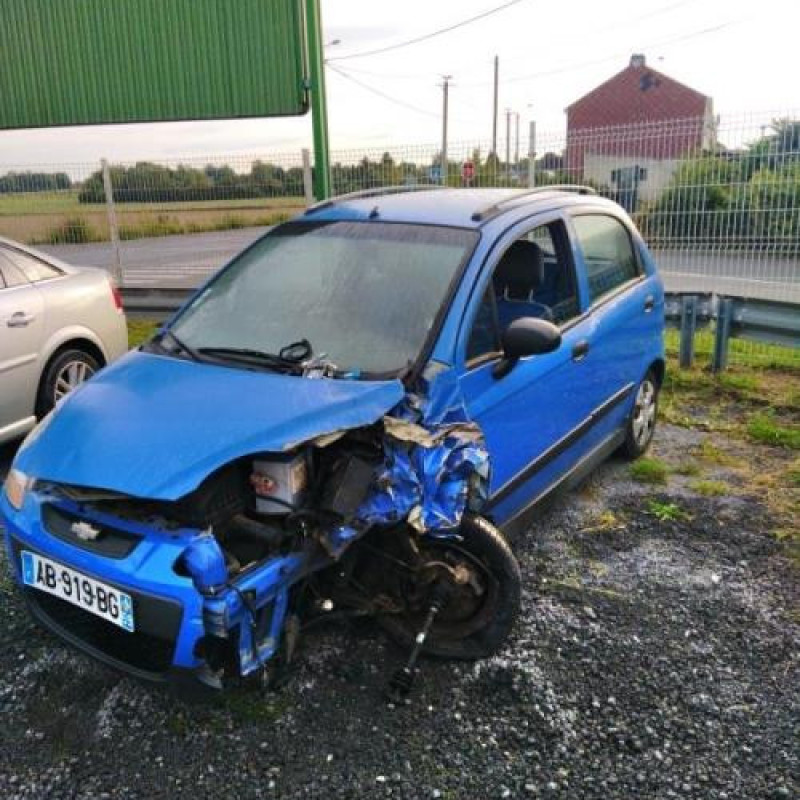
column 637, row 61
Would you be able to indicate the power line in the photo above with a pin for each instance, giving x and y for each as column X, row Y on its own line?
column 631, row 21
column 674, row 40
column 580, row 65
column 379, row 93
column 430, row 35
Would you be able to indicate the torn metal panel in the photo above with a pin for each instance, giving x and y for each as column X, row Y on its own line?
column 436, row 465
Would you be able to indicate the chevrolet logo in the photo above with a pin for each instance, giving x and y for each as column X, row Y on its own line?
column 84, row 531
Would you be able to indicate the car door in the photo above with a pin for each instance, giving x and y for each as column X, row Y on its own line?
column 625, row 303
column 532, row 418
column 21, row 331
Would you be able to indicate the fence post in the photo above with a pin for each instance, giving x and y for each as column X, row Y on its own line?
column 688, row 327
column 719, row 360
column 116, row 265
column 308, row 181
column 532, row 155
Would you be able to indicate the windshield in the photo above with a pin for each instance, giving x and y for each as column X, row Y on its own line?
column 364, row 294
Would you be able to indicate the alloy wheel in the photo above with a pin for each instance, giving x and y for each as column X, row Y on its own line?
column 644, row 413
column 69, row 377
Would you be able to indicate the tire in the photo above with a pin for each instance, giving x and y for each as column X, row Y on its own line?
column 484, row 633
column 641, row 424
column 64, row 372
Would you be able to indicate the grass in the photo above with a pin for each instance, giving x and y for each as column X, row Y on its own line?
column 652, row 471
column 763, row 428
column 66, row 202
column 710, row 488
column 58, row 217
column 80, row 231
column 688, row 469
column 793, row 474
column 665, row 511
column 747, row 403
column 140, row 330
column 261, row 709
column 738, row 383
column 712, row 453
column 605, row 521
column 741, row 352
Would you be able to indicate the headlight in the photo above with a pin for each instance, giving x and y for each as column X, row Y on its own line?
column 17, row 485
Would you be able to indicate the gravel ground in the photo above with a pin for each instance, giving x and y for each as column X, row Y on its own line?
column 654, row 659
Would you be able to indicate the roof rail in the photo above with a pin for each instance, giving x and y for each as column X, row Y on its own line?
column 495, row 208
column 378, row 191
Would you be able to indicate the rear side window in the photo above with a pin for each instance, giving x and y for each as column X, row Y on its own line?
column 607, row 252
column 9, row 274
column 33, row 269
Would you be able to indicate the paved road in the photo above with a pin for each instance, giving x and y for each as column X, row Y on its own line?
column 184, row 261
column 170, row 261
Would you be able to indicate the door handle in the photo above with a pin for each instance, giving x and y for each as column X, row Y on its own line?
column 580, row 350
column 19, row 320
column 649, row 304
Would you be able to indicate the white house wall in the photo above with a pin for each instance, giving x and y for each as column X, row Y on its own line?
column 599, row 167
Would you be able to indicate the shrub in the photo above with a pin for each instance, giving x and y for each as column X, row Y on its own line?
column 75, row 230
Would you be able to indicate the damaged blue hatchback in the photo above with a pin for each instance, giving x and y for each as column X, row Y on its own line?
column 348, row 419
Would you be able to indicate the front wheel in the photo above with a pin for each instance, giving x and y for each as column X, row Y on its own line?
column 482, row 583
column 641, row 423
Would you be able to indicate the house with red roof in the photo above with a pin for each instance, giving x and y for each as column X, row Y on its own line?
column 631, row 132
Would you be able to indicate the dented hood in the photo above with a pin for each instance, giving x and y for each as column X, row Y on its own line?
column 154, row 426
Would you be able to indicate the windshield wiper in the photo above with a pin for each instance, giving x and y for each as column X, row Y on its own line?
column 288, row 359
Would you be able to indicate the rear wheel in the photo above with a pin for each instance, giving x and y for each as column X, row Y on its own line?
column 66, row 371
column 642, row 422
column 481, row 581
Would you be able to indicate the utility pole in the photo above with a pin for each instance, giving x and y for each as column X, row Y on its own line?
column 445, row 92
column 494, row 108
column 516, row 140
column 508, row 144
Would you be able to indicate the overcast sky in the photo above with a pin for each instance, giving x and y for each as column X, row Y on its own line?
column 742, row 53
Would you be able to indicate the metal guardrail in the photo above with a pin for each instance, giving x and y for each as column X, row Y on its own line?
column 151, row 303
column 765, row 321
column 735, row 317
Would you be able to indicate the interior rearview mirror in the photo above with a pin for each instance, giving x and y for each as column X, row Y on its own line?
column 527, row 336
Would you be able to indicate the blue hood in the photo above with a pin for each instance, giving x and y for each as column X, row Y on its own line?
column 154, row 426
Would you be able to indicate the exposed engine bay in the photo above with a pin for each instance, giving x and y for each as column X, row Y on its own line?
column 370, row 521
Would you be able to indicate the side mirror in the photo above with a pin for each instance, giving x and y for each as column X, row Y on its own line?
column 527, row 336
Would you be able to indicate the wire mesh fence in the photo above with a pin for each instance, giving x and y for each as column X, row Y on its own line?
column 717, row 198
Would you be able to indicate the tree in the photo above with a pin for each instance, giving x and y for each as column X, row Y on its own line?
column 34, row 182
column 745, row 199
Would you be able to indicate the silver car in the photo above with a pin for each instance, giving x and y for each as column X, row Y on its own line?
column 58, row 325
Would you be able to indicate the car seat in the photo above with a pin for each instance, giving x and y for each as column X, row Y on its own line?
column 518, row 276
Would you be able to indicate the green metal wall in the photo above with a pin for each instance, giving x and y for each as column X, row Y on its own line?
column 72, row 62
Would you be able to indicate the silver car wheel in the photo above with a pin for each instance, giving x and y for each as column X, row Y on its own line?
column 69, row 377
column 644, row 413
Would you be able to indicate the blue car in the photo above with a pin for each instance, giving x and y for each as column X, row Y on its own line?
column 349, row 418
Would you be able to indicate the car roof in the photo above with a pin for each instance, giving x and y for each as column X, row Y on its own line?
column 465, row 208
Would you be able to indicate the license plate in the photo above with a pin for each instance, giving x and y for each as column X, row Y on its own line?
column 80, row 590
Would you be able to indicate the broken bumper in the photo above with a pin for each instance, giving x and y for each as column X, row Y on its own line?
column 173, row 620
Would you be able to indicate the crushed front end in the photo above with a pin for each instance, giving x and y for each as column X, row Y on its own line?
column 218, row 584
